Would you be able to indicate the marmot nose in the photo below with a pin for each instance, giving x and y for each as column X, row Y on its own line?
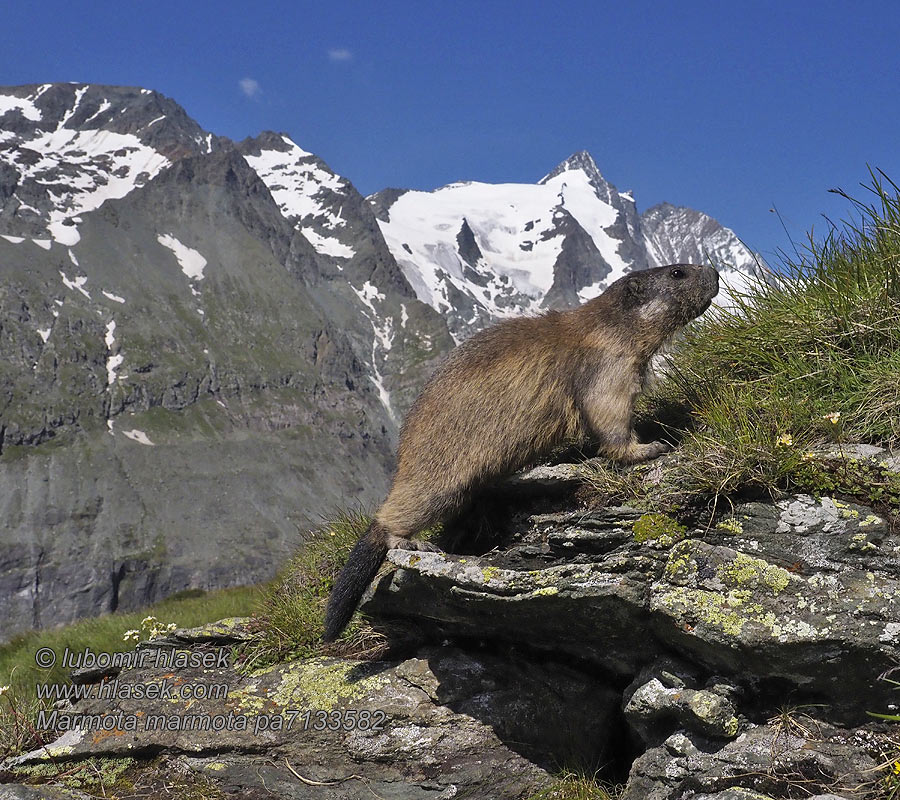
column 711, row 279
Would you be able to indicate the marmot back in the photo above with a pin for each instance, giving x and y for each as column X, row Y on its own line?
column 512, row 393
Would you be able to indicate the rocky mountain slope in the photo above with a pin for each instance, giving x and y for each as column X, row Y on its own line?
column 177, row 358
column 204, row 345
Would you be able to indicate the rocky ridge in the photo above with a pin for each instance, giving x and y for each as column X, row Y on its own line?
column 731, row 659
column 177, row 354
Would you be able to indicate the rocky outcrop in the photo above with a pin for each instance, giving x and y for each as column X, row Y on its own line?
column 736, row 658
column 445, row 723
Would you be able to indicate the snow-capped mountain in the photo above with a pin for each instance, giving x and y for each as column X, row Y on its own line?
column 67, row 148
column 477, row 252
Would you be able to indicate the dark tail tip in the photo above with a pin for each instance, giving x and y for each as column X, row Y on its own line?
column 354, row 578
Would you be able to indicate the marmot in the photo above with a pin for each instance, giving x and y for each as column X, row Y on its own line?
column 512, row 393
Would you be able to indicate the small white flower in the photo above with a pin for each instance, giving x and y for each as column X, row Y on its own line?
column 785, row 439
column 147, row 621
column 3, row 690
column 171, row 627
column 131, row 635
column 832, row 417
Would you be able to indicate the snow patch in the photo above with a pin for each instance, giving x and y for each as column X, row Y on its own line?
column 383, row 330
column 104, row 106
column 513, row 228
column 79, row 93
column 111, row 296
column 302, row 188
column 327, row 245
column 44, row 334
column 24, row 105
column 192, row 263
column 98, row 165
column 13, row 239
column 592, row 291
column 44, row 244
column 113, row 362
column 77, row 284
column 64, row 234
column 139, row 436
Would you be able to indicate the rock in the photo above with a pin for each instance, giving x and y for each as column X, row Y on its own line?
column 603, row 605
column 551, row 479
column 706, row 711
column 445, row 721
column 732, row 661
column 18, row 791
column 763, row 762
column 806, row 593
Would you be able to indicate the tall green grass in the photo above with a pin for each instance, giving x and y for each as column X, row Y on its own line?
column 293, row 610
column 808, row 356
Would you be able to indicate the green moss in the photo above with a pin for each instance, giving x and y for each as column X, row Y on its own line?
column 680, row 565
column 746, row 571
column 323, row 683
column 730, row 525
column 709, row 608
column 658, row 527
column 92, row 773
column 489, row 573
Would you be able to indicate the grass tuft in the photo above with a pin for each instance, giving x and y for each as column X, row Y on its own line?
column 575, row 786
column 293, row 611
column 803, row 359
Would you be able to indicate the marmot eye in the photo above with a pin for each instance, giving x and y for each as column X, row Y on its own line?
column 678, row 273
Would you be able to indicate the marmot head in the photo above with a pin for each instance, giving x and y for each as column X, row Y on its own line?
column 668, row 297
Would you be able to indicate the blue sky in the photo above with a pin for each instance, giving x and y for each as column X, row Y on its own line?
column 728, row 107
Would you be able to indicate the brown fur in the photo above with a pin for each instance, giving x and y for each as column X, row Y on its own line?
column 514, row 392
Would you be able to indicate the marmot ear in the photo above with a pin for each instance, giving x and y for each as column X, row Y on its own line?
column 634, row 292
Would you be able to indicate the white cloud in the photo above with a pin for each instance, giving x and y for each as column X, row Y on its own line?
column 249, row 86
column 340, row 54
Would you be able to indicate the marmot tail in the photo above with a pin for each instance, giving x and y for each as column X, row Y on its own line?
column 351, row 583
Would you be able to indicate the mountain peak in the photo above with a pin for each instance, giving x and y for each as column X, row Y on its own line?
column 582, row 161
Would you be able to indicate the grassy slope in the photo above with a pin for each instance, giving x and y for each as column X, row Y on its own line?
column 811, row 360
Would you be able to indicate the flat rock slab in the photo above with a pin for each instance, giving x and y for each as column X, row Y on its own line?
column 444, row 724
column 806, row 592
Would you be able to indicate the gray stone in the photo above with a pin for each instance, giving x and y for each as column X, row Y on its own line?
column 425, row 725
column 721, row 599
column 700, row 710
column 763, row 762
column 18, row 791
